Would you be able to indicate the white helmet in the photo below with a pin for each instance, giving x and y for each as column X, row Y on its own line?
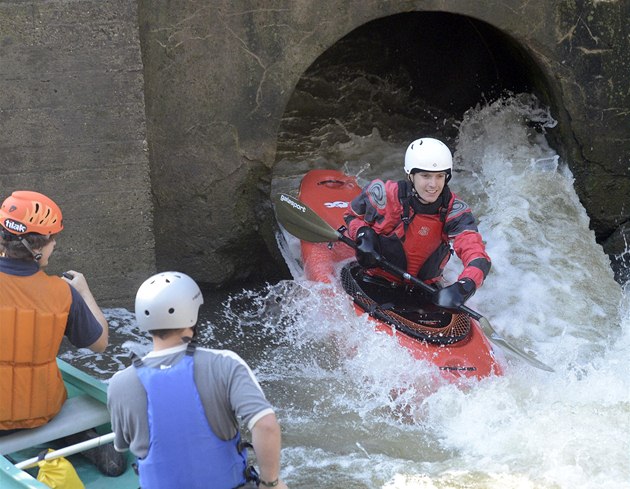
column 168, row 300
column 428, row 154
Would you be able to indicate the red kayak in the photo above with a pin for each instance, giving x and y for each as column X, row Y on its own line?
column 455, row 343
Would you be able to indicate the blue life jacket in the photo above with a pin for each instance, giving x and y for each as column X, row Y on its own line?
column 183, row 450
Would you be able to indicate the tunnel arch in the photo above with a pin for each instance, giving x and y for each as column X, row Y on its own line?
column 249, row 89
column 451, row 61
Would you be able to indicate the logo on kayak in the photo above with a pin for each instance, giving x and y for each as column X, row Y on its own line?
column 337, row 204
column 18, row 227
column 292, row 203
column 457, row 368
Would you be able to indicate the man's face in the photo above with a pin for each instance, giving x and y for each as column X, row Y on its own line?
column 429, row 185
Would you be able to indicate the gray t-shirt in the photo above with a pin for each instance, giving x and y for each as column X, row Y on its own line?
column 228, row 389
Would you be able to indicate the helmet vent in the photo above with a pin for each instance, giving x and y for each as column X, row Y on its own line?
column 171, row 310
column 43, row 219
column 147, row 313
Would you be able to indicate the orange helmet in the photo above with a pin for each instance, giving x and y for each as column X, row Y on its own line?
column 30, row 212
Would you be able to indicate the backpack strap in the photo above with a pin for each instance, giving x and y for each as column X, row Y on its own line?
column 136, row 360
column 404, row 196
column 446, row 200
column 191, row 347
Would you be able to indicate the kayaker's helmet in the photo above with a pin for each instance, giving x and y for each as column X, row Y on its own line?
column 27, row 212
column 428, row 154
column 168, row 300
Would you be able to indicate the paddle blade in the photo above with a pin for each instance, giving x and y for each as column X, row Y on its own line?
column 301, row 221
column 503, row 343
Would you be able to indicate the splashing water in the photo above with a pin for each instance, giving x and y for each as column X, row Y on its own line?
column 551, row 289
column 359, row 412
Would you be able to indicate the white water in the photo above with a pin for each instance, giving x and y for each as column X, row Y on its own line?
column 551, row 290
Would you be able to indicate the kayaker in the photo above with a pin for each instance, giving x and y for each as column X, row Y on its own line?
column 178, row 408
column 413, row 223
column 36, row 311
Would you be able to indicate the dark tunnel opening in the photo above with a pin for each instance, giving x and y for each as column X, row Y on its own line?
column 456, row 61
column 446, row 63
column 403, row 76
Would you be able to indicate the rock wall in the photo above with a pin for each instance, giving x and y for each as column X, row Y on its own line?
column 590, row 73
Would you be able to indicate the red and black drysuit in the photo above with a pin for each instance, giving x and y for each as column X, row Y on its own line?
column 417, row 237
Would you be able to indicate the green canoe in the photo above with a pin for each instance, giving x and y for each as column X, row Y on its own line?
column 85, row 408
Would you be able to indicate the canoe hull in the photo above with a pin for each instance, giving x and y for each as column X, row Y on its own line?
column 88, row 397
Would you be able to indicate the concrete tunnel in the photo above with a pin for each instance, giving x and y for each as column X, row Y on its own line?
column 172, row 118
column 453, row 62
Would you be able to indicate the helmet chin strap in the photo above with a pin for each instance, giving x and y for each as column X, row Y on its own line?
column 36, row 255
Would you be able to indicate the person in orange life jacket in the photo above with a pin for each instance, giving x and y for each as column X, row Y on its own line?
column 178, row 408
column 36, row 311
column 413, row 223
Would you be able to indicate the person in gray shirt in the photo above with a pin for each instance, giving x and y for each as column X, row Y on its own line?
column 178, row 409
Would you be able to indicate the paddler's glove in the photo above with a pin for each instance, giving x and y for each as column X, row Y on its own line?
column 454, row 296
column 368, row 247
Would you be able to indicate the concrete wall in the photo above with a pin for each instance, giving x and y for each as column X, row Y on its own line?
column 216, row 77
column 219, row 74
column 72, row 126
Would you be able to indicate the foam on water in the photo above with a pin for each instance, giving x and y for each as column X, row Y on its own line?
column 359, row 412
column 551, row 290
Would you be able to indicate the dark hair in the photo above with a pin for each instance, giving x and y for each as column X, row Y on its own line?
column 13, row 247
column 164, row 333
column 448, row 172
column 419, row 170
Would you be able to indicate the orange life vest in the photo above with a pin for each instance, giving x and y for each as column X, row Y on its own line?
column 33, row 315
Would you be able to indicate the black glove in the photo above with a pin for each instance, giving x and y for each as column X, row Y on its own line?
column 368, row 249
column 454, row 296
